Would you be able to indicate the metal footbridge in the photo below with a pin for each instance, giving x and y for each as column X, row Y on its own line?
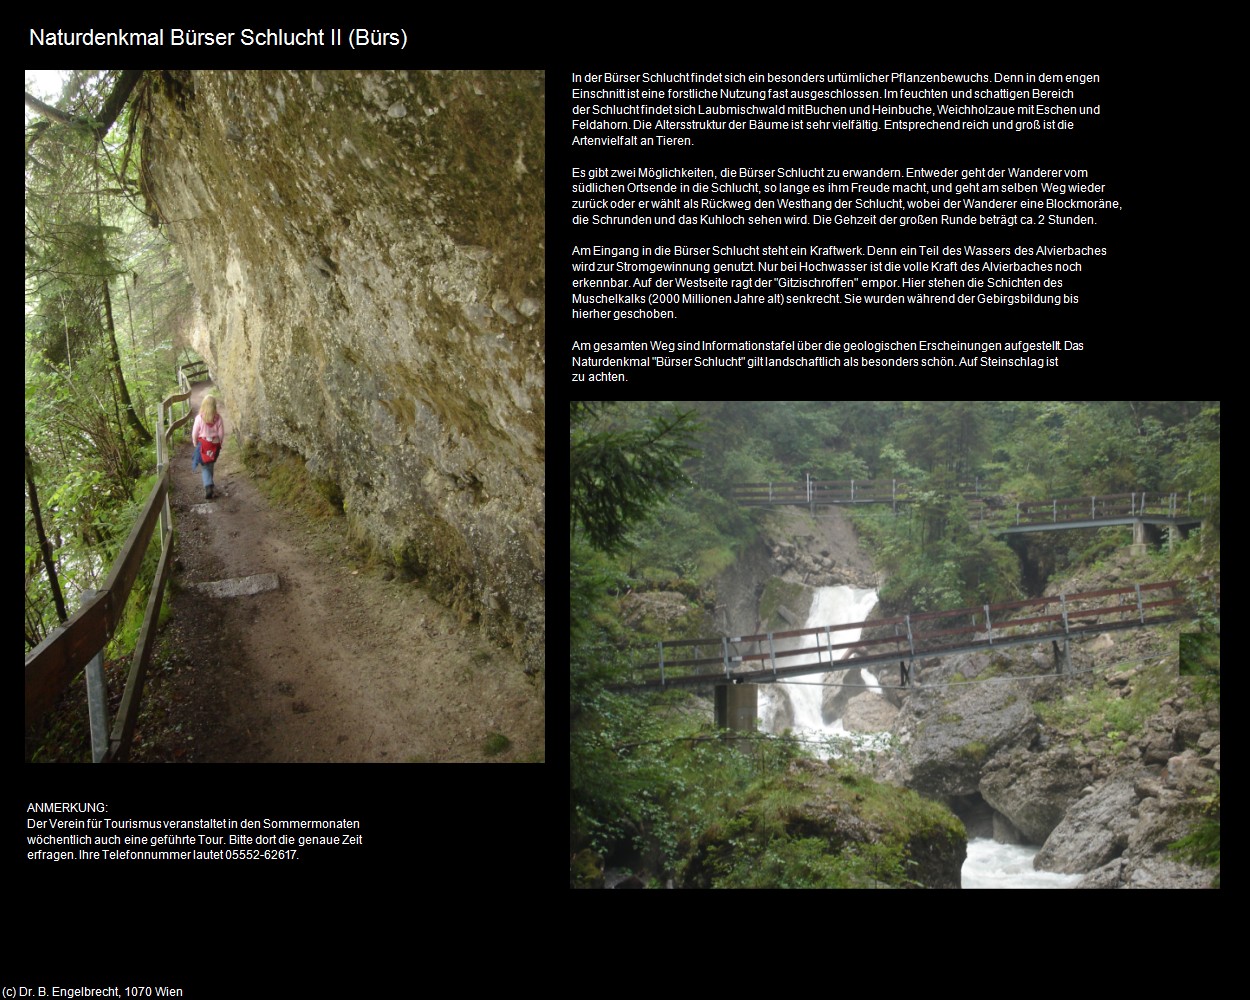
column 903, row 639
column 999, row 515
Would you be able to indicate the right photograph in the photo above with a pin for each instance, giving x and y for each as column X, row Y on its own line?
column 895, row 644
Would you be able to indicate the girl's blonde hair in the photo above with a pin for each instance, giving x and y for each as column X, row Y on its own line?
column 208, row 409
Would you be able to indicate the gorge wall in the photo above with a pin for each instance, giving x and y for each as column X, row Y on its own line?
column 368, row 252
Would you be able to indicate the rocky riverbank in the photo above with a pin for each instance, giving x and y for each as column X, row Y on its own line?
column 1104, row 766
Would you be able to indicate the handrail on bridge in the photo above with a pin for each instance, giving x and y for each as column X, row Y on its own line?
column 985, row 507
column 931, row 633
column 79, row 643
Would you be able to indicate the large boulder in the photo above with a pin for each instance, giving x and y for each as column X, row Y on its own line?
column 949, row 728
column 1033, row 790
column 868, row 713
column 1095, row 829
column 1148, row 873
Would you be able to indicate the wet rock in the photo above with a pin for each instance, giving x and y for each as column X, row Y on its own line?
column 1146, row 873
column 868, row 713
column 1006, row 832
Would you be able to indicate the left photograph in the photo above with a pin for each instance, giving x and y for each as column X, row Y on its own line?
column 285, row 416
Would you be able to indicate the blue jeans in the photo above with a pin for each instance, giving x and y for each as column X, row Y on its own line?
column 206, row 472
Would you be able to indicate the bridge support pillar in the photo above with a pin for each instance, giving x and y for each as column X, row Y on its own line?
column 1177, row 532
column 736, row 706
column 1063, row 660
column 1138, row 548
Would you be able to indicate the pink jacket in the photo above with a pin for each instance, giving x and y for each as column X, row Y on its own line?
column 216, row 431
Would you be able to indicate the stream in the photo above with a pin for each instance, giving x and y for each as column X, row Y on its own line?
column 991, row 865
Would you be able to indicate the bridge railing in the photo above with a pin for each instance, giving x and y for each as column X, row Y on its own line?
column 834, row 491
column 984, row 506
column 78, row 645
column 194, row 371
column 761, row 657
column 1109, row 507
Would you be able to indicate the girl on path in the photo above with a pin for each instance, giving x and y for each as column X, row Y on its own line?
column 207, row 435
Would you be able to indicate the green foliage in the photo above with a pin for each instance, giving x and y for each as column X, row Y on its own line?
column 946, row 437
column 933, row 558
column 1200, row 654
column 806, row 863
column 1200, row 661
column 1099, row 711
column 617, row 474
column 687, row 540
column 1201, row 846
column 101, row 290
column 823, row 827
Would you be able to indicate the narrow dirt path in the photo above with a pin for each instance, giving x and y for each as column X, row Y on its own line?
column 338, row 664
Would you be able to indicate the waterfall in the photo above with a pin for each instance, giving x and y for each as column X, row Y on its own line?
column 801, row 700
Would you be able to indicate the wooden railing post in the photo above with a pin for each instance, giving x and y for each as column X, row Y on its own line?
column 97, row 697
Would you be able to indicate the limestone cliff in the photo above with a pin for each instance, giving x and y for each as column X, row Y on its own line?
column 368, row 252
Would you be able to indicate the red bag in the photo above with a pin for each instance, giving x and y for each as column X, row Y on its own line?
column 208, row 451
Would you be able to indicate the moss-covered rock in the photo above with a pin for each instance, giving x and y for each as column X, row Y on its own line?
column 586, row 870
column 826, row 825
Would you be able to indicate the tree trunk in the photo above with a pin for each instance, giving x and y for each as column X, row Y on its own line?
column 115, row 356
column 44, row 545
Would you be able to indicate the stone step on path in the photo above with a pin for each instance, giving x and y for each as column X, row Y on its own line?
column 208, row 506
column 240, row 586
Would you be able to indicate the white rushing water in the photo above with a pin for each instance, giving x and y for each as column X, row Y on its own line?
column 1008, row 866
column 830, row 606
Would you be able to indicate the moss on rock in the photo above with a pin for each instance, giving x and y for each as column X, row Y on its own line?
column 826, row 825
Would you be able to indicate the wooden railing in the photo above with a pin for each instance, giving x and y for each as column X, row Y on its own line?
column 908, row 637
column 78, row 645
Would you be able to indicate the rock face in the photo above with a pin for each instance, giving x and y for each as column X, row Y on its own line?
column 1095, row 830
column 1120, row 830
column 368, row 252
column 1097, row 801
